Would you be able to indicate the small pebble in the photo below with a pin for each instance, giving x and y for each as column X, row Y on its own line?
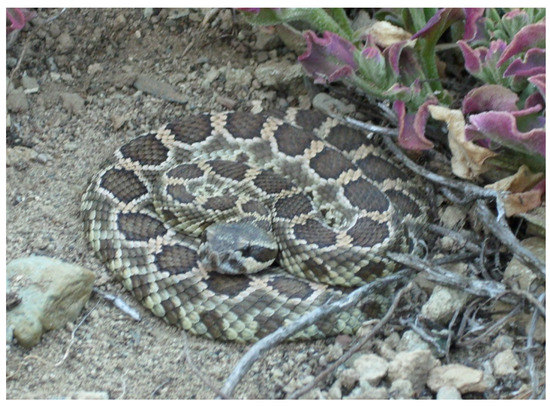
column 448, row 392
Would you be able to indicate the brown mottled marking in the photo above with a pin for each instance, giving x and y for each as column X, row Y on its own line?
column 185, row 171
column 404, row 203
column 293, row 205
column 180, row 193
column 371, row 271
column 145, row 150
column 176, row 259
column 379, row 169
column 214, row 323
column 191, row 129
column 230, row 285
column 229, row 169
column 376, row 232
column 345, row 138
column 140, row 226
column 309, row 120
column 291, row 140
column 366, row 196
column 123, row 184
column 314, row 232
column 291, row 287
column 220, row 203
column 241, row 125
column 330, row 164
column 319, row 271
column 270, row 183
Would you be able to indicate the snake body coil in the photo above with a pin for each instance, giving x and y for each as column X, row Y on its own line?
column 188, row 216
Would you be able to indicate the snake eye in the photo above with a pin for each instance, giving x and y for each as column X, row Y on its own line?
column 259, row 253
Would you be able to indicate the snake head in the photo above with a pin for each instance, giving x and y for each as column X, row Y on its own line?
column 237, row 248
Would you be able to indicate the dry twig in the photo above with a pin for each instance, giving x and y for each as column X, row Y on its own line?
column 308, row 319
column 355, row 348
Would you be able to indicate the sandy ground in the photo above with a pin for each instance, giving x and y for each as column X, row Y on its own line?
column 85, row 62
column 112, row 353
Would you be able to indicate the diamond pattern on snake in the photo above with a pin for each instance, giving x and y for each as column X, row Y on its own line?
column 231, row 225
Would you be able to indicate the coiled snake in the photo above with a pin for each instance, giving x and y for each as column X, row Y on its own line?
column 189, row 215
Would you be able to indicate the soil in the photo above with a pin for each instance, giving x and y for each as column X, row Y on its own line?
column 86, row 63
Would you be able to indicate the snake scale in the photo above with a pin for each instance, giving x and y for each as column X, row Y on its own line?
column 230, row 225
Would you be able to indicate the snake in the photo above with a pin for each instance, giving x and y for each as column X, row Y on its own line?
column 231, row 225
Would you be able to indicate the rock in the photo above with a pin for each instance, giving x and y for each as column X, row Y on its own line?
column 118, row 121
column 335, row 351
column 371, row 368
column 43, row 158
column 453, row 217
column 70, row 146
column 226, row 102
column 237, row 79
column 367, row 391
column 265, row 40
column 335, row 391
column 17, row 102
column 411, row 341
column 95, row 68
column 448, row 392
column 72, row 102
column 274, row 73
column 444, row 301
column 502, row 342
column 505, row 363
column 414, row 366
column 52, row 294
column 210, row 77
column 517, row 273
column 90, row 395
column 348, row 378
column 19, row 156
column 159, row 89
column 401, row 389
column 461, row 377
column 328, row 104
column 30, row 84
column 65, row 43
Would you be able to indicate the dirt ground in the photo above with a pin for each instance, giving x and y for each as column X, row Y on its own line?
column 85, row 63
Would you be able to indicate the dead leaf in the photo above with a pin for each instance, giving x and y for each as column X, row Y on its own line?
column 467, row 158
column 523, row 196
column 386, row 34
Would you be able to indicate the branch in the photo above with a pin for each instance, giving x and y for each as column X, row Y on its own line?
column 306, row 320
column 355, row 348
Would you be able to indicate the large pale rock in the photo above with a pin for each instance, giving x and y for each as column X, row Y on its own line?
column 413, row 366
column 371, row 368
column 463, row 378
column 50, row 292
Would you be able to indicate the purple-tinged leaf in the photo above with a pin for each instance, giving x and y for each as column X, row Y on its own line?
column 18, row 17
column 393, row 54
column 534, row 64
column 372, row 53
column 328, row 59
column 476, row 59
column 470, row 25
column 534, row 100
column 250, row 10
column 514, row 13
column 540, row 82
column 489, row 97
column 531, row 36
column 501, row 127
column 413, row 125
column 439, row 22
